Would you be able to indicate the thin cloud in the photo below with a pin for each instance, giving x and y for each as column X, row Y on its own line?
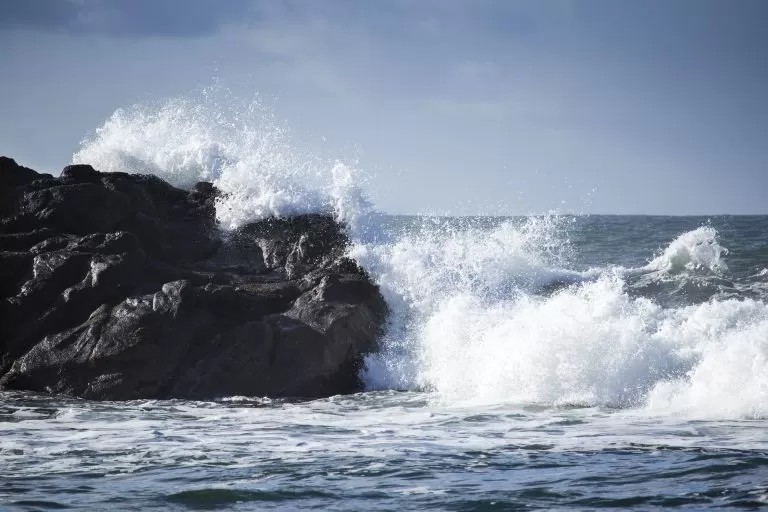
column 115, row 18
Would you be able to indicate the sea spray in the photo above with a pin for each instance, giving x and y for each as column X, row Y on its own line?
column 236, row 144
column 439, row 258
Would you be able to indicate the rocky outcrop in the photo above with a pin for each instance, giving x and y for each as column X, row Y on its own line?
column 120, row 286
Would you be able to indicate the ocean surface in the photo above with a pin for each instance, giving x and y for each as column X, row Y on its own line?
column 550, row 361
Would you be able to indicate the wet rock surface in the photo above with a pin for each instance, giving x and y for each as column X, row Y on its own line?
column 120, row 286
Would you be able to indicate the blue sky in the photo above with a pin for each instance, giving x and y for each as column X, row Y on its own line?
column 454, row 107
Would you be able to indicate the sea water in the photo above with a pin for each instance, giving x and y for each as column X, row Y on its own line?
column 541, row 361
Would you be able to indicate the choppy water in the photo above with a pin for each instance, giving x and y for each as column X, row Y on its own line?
column 601, row 428
column 376, row 451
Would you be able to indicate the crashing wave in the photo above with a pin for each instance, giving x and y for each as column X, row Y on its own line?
column 238, row 146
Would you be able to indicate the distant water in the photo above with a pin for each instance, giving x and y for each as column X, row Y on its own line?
column 543, row 362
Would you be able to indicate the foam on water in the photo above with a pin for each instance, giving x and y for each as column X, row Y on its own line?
column 479, row 314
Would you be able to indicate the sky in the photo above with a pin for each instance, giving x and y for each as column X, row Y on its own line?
column 451, row 107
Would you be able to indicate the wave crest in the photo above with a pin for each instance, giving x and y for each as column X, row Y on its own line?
column 697, row 249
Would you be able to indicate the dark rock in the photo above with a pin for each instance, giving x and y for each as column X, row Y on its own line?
column 119, row 286
column 78, row 208
column 23, row 241
column 80, row 174
column 14, row 267
column 13, row 176
column 319, row 238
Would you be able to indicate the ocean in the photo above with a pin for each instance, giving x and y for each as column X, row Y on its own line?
column 543, row 361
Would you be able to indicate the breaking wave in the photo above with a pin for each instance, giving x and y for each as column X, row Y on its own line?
column 476, row 319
